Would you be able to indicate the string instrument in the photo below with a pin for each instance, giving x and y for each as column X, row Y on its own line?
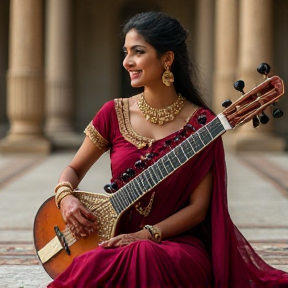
column 56, row 246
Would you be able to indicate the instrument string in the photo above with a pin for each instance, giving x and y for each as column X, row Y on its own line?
column 69, row 237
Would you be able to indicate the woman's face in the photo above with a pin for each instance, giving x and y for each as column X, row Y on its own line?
column 141, row 61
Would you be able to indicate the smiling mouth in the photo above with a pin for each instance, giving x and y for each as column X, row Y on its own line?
column 135, row 74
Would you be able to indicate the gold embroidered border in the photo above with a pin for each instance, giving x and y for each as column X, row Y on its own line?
column 122, row 111
column 96, row 137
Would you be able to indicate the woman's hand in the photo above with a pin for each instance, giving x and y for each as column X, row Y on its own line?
column 78, row 219
column 126, row 239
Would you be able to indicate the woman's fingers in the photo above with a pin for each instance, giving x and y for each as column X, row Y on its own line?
column 120, row 240
column 87, row 219
column 111, row 242
column 79, row 220
column 81, row 226
column 87, row 214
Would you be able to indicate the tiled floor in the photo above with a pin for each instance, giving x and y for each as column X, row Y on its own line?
column 19, row 266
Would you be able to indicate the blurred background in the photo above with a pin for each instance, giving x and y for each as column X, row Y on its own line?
column 61, row 60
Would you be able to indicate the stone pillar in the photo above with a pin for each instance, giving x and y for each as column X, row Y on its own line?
column 25, row 79
column 59, row 96
column 205, row 43
column 256, row 46
column 4, row 20
column 226, row 43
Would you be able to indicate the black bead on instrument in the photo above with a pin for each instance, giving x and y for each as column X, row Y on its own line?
column 111, row 188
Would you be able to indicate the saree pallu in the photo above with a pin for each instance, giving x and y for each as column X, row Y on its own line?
column 213, row 254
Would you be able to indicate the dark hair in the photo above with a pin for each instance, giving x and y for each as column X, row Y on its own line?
column 165, row 33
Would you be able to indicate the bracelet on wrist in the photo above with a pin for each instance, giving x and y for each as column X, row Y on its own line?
column 63, row 184
column 154, row 232
column 61, row 196
column 61, row 192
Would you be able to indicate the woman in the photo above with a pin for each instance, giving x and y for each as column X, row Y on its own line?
column 180, row 233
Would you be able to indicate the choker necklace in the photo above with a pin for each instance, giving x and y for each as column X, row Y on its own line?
column 159, row 116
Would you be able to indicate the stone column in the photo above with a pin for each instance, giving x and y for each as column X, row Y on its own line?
column 4, row 20
column 226, row 42
column 256, row 46
column 59, row 96
column 25, row 79
column 205, row 43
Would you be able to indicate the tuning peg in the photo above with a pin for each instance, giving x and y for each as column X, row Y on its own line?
column 255, row 121
column 264, row 119
column 226, row 103
column 264, row 69
column 276, row 112
column 239, row 86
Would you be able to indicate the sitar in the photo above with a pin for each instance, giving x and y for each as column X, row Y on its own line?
column 55, row 244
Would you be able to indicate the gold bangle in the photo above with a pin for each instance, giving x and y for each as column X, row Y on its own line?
column 61, row 184
column 62, row 189
column 60, row 196
column 155, row 233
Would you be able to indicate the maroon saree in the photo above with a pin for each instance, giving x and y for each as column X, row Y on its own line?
column 213, row 254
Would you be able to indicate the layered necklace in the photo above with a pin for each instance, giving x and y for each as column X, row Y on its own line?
column 160, row 116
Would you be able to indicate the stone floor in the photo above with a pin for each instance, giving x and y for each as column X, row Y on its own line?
column 258, row 203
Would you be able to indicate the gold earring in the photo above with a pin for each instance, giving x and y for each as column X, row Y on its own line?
column 167, row 77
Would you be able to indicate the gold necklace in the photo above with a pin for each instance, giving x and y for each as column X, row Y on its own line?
column 160, row 116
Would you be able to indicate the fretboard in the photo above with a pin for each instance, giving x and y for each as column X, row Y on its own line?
column 166, row 165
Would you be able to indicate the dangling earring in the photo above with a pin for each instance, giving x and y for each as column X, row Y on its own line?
column 167, row 77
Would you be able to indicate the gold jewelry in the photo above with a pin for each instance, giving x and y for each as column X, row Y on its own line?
column 61, row 190
column 159, row 116
column 167, row 77
column 155, row 233
column 61, row 193
column 61, row 184
column 61, row 196
column 145, row 211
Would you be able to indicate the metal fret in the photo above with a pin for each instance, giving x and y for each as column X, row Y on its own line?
column 190, row 152
column 175, row 157
column 198, row 134
column 141, row 181
column 129, row 194
column 195, row 142
column 216, row 127
column 183, row 152
column 168, row 164
column 126, row 198
column 204, row 136
column 151, row 178
column 136, row 189
column 122, row 199
column 161, row 161
column 208, row 132
column 179, row 154
column 157, row 165
column 115, row 204
column 155, row 176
